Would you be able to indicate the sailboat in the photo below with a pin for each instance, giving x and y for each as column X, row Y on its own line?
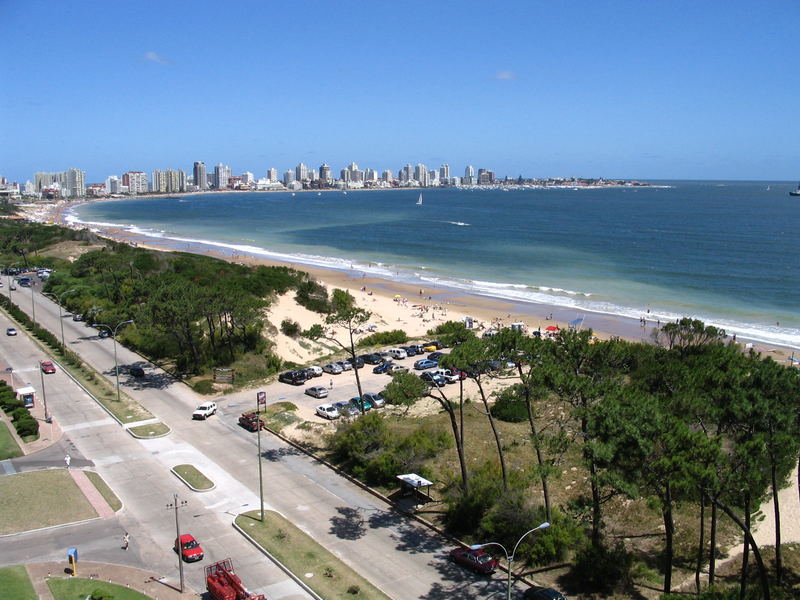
column 419, row 200
column 796, row 191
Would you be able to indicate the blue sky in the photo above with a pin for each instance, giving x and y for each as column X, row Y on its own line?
column 634, row 89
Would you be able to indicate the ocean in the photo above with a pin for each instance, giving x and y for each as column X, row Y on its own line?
column 724, row 252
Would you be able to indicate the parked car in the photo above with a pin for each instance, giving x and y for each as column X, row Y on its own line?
column 383, row 367
column 433, row 379
column 384, row 354
column 360, row 403
column 409, row 350
column 476, row 560
column 77, row 317
column 417, row 348
column 432, row 346
column 251, row 421
column 327, row 411
column 346, row 409
column 332, row 368
column 293, row 377
column 448, row 375
column 542, row 593
column 345, row 365
column 104, row 333
column 357, row 363
column 437, row 356
column 425, row 363
column 376, row 400
column 398, row 353
column 371, row 359
column 394, row 369
column 48, row 367
column 190, row 549
column 317, row 391
column 315, row 370
column 205, row 410
column 11, row 331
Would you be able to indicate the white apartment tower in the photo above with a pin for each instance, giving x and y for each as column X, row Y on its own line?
column 222, row 173
column 444, row 172
column 272, row 175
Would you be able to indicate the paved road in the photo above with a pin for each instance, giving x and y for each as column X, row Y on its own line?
column 399, row 556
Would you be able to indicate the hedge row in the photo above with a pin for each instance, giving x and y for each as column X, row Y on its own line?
column 23, row 422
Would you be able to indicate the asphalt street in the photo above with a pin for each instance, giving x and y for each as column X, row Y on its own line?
column 401, row 557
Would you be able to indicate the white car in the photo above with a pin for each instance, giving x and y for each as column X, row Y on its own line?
column 205, row 410
column 317, row 371
column 346, row 365
column 11, row 331
column 327, row 411
column 332, row 368
column 318, row 391
column 448, row 375
column 397, row 353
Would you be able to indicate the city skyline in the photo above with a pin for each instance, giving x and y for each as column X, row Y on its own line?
column 625, row 90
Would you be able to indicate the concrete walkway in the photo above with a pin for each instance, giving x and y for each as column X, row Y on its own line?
column 137, row 579
column 94, row 497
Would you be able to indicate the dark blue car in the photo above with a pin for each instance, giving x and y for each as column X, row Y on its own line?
column 383, row 367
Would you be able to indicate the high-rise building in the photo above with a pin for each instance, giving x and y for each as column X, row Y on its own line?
column 444, row 172
column 112, row 184
column 272, row 175
column 247, row 177
column 221, row 175
column 406, row 173
column 136, row 181
column 313, row 175
column 325, row 173
column 70, row 183
column 199, row 174
column 301, row 172
column 75, row 183
column 387, row 176
column 344, row 175
column 158, row 182
column 288, row 177
column 421, row 174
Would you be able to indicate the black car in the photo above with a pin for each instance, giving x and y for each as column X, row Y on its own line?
column 410, row 350
column 436, row 343
column 383, row 367
column 437, row 356
column 357, row 363
column 372, row 359
column 542, row 593
column 293, row 377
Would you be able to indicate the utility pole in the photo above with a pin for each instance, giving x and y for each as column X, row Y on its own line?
column 261, row 398
column 44, row 394
column 175, row 505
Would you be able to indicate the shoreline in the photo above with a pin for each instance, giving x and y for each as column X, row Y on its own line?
column 484, row 309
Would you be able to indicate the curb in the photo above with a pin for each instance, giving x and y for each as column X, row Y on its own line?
column 59, row 526
column 147, row 437
column 280, row 565
column 190, row 486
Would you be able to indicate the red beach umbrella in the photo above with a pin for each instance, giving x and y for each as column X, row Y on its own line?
column 552, row 328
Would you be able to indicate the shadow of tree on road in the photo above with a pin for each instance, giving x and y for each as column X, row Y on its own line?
column 350, row 526
column 462, row 584
column 278, row 453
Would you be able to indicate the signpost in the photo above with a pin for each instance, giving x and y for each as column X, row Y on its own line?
column 72, row 557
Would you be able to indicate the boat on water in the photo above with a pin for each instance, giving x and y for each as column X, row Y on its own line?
column 796, row 191
column 419, row 200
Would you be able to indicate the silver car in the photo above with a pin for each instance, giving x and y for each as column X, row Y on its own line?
column 376, row 400
column 332, row 368
column 346, row 409
column 346, row 365
column 317, row 391
column 327, row 411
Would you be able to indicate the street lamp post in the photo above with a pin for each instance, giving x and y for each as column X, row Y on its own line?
column 114, row 339
column 44, row 394
column 510, row 557
column 175, row 505
column 60, row 317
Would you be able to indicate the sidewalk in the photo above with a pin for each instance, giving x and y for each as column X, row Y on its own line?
column 136, row 579
column 95, row 498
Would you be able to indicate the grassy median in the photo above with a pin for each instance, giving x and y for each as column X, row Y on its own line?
column 15, row 583
column 192, row 477
column 105, row 491
column 329, row 577
column 78, row 589
column 8, row 445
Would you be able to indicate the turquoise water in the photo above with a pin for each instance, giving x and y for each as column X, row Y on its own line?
column 725, row 252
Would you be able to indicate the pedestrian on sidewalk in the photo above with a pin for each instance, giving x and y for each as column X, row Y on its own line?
column 125, row 541
column 331, row 386
column 67, row 460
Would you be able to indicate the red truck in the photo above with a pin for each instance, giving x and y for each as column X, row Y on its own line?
column 223, row 583
column 251, row 421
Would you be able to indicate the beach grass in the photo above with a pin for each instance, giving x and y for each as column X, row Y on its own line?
column 41, row 499
column 76, row 588
column 15, row 583
column 280, row 415
column 318, row 568
column 192, row 477
column 8, row 445
column 150, row 430
column 105, row 491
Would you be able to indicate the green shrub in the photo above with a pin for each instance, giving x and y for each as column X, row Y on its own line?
column 314, row 332
column 385, row 338
column 313, row 296
column 19, row 413
column 464, row 512
column 290, row 328
column 204, row 386
column 27, row 426
column 451, row 333
column 510, row 406
column 602, row 569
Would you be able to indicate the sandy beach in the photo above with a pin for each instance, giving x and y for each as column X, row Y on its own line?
column 397, row 305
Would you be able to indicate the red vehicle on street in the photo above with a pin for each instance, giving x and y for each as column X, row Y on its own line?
column 48, row 367
column 251, row 422
column 190, row 549
column 476, row 560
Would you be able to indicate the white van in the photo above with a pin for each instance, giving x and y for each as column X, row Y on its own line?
column 397, row 353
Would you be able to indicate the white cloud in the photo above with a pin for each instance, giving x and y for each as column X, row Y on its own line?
column 155, row 57
column 503, row 75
